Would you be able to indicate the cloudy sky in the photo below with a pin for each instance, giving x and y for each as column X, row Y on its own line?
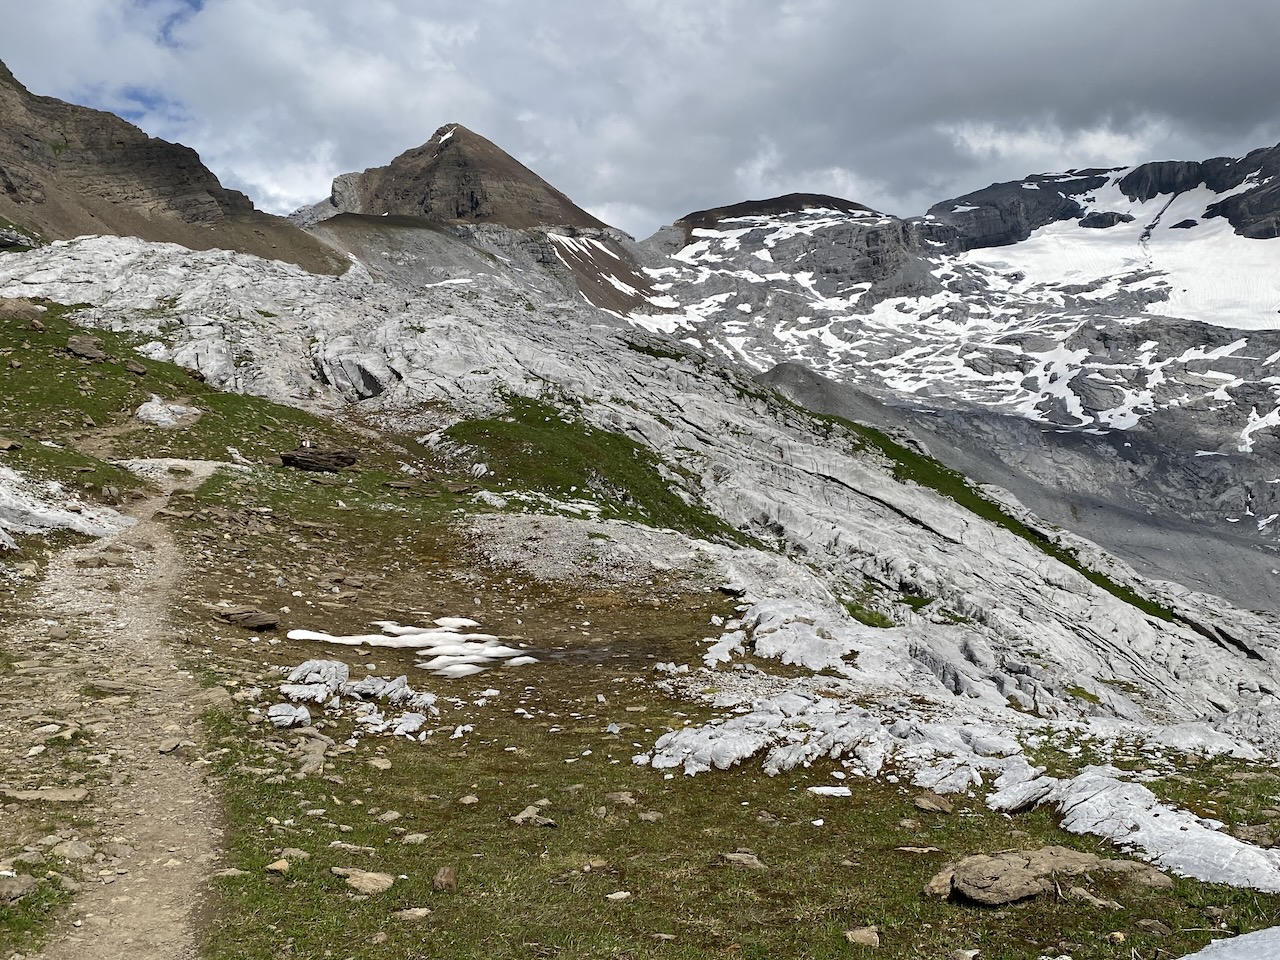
column 644, row 110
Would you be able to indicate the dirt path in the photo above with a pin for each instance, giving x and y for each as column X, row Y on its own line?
column 100, row 662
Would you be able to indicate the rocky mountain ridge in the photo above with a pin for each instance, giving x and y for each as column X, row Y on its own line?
column 67, row 170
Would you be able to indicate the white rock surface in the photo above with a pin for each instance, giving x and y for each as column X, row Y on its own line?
column 28, row 506
column 1027, row 644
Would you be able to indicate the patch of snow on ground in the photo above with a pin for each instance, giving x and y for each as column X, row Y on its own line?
column 1260, row 945
column 452, row 654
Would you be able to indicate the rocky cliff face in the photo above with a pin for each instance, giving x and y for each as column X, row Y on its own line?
column 1243, row 190
column 66, row 170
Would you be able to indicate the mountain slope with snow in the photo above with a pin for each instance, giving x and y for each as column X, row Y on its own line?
column 1138, row 329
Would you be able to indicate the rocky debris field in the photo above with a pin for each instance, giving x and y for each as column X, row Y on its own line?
column 680, row 670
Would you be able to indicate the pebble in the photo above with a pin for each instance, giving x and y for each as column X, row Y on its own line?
column 619, row 895
column 280, row 867
column 933, row 803
column 364, row 881
column 413, row 914
column 531, row 814
column 863, row 936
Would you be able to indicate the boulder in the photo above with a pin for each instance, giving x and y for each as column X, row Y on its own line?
column 1101, row 219
column 13, row 889
column 52, row 795
column 1019, row 875
column 21, row 310
column 86, row 346
column 319, row 460
column 250, row 618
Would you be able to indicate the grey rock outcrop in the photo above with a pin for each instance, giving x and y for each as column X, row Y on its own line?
column 1005, row 213
column 1101, row 219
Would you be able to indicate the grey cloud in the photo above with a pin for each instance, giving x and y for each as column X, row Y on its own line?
column 648, row 109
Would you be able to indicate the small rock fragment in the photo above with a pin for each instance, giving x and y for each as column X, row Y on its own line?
column 619, row 895
column 933, row 803
column 1154, row 927
column 743, row 859
column 863, row 936
column 940, row 884
column 446, row 879
column 364, row 881
column 279, row 867
column 1080, row 893
column 73, row 850
column 532, row 815
column 413, row 914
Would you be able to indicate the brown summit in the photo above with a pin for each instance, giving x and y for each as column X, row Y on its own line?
column 458, row 176
column 67, row 170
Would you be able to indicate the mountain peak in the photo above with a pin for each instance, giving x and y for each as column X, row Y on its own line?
column 456, row 176
column 774, row 206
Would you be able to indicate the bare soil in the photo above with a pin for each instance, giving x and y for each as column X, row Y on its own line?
column 97, row 657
